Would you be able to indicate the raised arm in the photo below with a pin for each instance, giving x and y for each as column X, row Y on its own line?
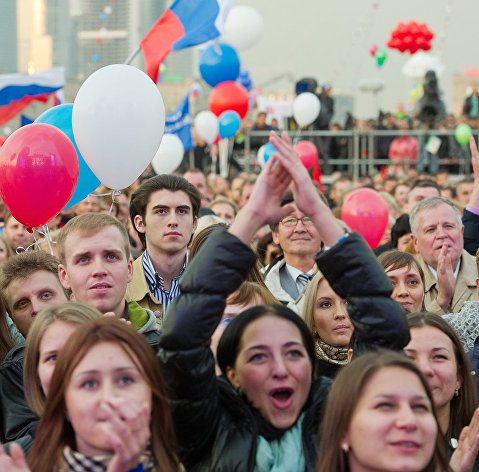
column 349, row 265
column 470, row 217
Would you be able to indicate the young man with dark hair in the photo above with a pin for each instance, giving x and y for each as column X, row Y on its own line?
column 164, row 211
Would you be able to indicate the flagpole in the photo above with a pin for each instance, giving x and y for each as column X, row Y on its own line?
column 132, row 55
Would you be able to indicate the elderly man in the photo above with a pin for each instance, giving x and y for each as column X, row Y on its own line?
column 449, row 271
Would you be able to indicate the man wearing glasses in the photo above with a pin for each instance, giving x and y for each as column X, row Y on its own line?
column 299, row 240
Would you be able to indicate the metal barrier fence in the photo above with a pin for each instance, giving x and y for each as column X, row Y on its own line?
column 362, row 150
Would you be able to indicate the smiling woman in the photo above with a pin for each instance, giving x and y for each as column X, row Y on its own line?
column 388, row 425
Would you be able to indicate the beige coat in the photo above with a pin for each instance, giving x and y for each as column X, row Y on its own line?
column 465, row 285
column 138, row 291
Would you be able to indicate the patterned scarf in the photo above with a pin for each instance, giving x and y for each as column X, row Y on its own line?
column 77, row 462
column 331, row 354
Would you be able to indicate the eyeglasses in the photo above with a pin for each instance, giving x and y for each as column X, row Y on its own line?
column 291, row 221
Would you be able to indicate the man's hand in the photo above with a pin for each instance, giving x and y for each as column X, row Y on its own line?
column 445, row 278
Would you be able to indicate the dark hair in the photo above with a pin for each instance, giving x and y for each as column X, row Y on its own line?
column 400, row 228
column 229, row 344
column 422, row 183
column 173, row 183
column 55, row 431
column 341, row 404
column 465, row 403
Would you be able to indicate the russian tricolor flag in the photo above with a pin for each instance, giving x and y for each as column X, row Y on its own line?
column 186, row 23
column 17, row 91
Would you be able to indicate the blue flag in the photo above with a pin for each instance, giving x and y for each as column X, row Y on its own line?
column 24, row 120
column 179, row 123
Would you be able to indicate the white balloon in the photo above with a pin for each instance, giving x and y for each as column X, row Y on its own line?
column 169, row 155
column 118, row 121
column 206, row 125
column 243, row 27
column 306, row 108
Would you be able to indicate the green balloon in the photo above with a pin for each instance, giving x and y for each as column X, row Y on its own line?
column 462, row 134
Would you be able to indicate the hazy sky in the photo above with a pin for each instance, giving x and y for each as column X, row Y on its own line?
column 330, row 40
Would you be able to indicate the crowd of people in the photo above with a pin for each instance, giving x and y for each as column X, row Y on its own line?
column 200, row 323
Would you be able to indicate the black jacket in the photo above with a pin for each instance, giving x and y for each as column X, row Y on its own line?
column 215, row 427
column 18, row 422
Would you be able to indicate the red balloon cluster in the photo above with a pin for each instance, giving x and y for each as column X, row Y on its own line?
column 411, row 37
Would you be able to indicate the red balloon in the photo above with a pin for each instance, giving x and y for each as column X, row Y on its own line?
column 308, row 153
column 366, row 212
column 229, row 95
column 38, row 173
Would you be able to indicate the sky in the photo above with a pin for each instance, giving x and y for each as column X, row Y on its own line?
column 330, row 41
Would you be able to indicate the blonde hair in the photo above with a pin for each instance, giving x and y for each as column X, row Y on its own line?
column 309, row 301
column 71, row 312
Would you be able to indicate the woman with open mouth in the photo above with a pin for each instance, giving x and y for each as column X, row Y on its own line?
column 264, row 412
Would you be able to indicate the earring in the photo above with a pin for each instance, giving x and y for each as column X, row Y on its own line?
column 456, row 392
column 345, row 447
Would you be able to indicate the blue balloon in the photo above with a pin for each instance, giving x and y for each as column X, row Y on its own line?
column 228, row 123
column 95, row 58
column 219, row 63
column 103, row 17
column 61, row 117
column 269, row 150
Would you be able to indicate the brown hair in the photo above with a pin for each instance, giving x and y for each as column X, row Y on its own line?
column 251, row 292
column 6, row 339
column 70, row 312
column 465, row 403
column 393, row 260
column 172, row 183
column 22, row 266
column 89, row 224
column 340, row 407
column 55, row 431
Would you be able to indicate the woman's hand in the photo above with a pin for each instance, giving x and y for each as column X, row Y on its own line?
column 15, row 462
column 263, row 206
column 306, row 196
column 466, row 452
column 128, row 431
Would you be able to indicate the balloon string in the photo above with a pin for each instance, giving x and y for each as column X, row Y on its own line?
column 115, row 193
column 47, row 237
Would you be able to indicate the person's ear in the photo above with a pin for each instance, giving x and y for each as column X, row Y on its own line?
column 63, row 276
column 232, row 376
column 139, row 225
column 275, row 237
column 130, row 270
column 195, row 223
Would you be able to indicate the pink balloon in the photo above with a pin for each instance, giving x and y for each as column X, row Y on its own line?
column 366, row 212
column 373, row 49
column 307, row 153
column 38, row 173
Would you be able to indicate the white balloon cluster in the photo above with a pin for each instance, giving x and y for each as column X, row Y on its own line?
column 419, row 63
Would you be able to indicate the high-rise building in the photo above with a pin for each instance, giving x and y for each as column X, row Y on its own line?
column 8, row 36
